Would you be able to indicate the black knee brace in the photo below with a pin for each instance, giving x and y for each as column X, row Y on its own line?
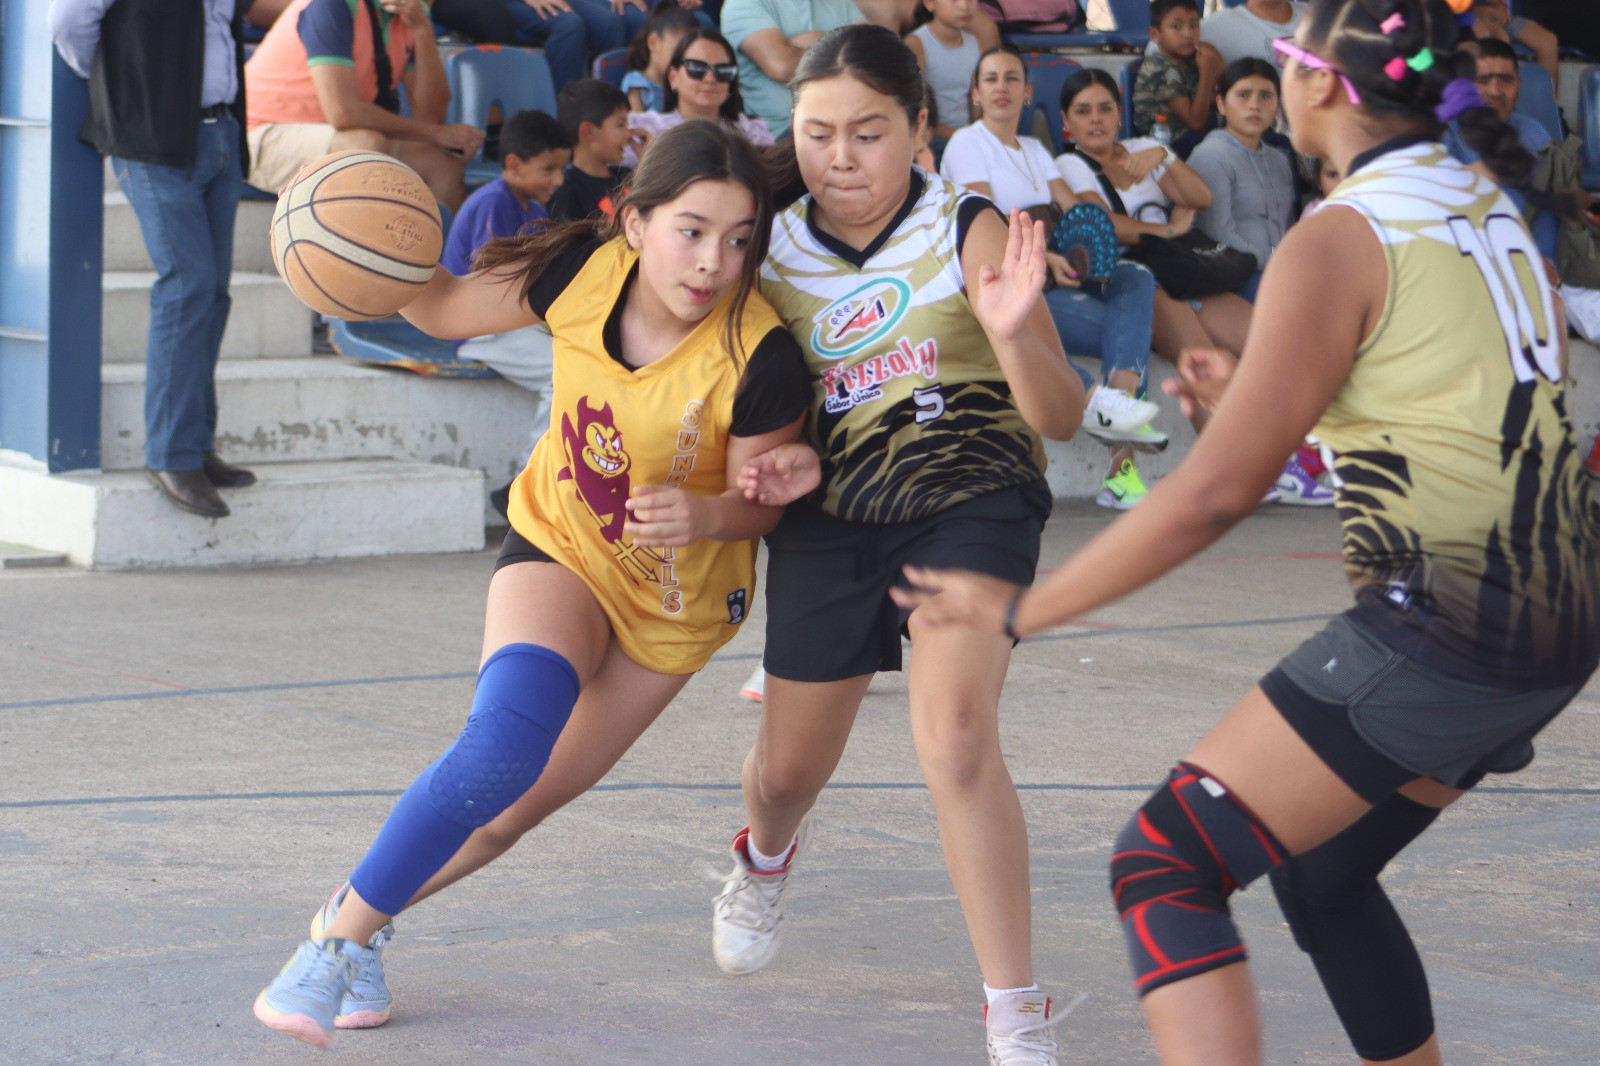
column 1189, row 848
column 1342, row 918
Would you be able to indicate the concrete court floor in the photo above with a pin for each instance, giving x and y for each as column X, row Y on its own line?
column 193, row 760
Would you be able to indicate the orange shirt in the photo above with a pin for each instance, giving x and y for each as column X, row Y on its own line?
column 277, row 78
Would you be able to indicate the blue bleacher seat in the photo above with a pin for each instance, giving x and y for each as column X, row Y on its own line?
column 1538, row 99
column 1129, row 74
column 492, row 75
column 1047, row 72
column 1589, row 125
column 611, row 66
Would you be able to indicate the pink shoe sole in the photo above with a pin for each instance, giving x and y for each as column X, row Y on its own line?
column 296, row 1025
column 361, row 1019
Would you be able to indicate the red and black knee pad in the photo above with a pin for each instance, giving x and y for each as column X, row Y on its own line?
column 1177, row 861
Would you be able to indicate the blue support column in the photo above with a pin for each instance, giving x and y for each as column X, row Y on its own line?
column 51, row 221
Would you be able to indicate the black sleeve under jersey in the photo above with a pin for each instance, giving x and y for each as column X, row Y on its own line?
column 558, row 274
column 967, row 212
column 776, row 388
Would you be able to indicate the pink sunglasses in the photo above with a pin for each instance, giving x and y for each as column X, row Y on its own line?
column 1285, row 47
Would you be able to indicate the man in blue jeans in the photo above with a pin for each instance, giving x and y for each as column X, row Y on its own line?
column 166, row 102
column 574, row 30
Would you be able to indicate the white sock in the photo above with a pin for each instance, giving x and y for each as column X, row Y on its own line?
column 995, row 993
column 766, row 863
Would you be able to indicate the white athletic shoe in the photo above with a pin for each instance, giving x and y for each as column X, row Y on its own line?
column 1019, row 1029
column 747, row 916
column 1113, row 417
column 755, row 689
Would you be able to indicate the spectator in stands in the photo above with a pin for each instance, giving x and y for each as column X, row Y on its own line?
column 1248, row 31
column 1014, row 171
column 574, row 31
column 1179, row 79
column 1034, row 16
column 166, row 103
column 948, row 52
column 770, row 36
column 702, row 82
column 318, row 84
column 1251, row 183
column 1252, row 206
column 535, row 150
column 595, row 115
column 1324, row 177
column 649, row 54
column 1500, row 84
column 479, row 21
column 1491, row 20
column 1573, row 24
column 1160, row 196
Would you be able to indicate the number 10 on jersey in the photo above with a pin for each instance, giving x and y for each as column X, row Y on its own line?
column 1532, row 345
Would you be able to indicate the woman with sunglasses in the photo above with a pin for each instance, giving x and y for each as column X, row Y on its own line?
column 1407, row 324
column 702, row 82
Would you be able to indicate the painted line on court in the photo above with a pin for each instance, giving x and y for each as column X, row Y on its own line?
column 655, row 786
column 1091, row 629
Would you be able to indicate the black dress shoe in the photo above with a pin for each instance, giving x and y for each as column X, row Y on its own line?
column 191, row 490
column 225, row 475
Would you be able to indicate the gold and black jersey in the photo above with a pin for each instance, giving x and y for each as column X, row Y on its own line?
column 911, row 413
column 1469, row 528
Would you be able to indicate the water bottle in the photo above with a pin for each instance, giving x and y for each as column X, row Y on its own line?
column 1161, row 131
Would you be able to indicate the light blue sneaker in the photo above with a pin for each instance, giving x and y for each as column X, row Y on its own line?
column 366, row 1005
column 301, row 1001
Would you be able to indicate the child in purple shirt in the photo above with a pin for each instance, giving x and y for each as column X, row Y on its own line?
column 534, row 153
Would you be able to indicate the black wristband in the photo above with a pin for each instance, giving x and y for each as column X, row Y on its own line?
column 1011, row 612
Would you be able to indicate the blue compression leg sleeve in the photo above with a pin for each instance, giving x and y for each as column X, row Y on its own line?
column 524, row 697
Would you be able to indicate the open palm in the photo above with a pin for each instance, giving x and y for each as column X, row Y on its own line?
column 1002, row 301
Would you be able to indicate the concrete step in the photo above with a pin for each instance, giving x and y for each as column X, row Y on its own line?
column 266, row 319
column 125, row 250
column 296, row 511
column 319, row 408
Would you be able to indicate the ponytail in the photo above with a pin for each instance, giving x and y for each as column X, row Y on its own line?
column 1401, row 55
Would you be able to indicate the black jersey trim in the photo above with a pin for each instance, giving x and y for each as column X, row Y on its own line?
column 1393, row 144
column 859, row 257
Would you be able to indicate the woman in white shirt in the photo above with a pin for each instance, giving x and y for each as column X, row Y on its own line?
column 1112, row 318
column 1160, row 196
column 702, row 82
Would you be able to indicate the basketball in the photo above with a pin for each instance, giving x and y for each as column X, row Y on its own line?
column 356, row 235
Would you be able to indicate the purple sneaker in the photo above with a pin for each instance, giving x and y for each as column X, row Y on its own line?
column 1298, row 488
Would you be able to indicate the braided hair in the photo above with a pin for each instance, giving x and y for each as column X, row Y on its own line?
column 1401, row 55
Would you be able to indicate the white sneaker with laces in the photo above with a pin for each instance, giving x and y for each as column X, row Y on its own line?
column 1019, row 1029
column 1112, row 415
column 747, row 916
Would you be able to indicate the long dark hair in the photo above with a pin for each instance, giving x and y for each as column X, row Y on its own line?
column 733, row 106
column 668, row 17
column 999, row 49
column 1247, row 67
column 1349, row 34
column 873, row 55
column 692, row 152
column 1082, row 79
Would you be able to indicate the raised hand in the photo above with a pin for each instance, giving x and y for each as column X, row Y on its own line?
column 781, row 476
column 1203, row 375
column 1001, row 301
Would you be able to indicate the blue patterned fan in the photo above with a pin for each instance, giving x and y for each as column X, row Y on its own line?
column 1088, row 241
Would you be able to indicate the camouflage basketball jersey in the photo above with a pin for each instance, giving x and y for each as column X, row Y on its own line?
column 1469, row 530
column 614, row 428
column 911, row 412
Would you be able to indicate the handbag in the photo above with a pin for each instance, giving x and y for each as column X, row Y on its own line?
column 1188, row 266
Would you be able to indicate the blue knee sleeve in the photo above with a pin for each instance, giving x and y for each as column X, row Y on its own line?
column 525, row 695
column 1189, row 848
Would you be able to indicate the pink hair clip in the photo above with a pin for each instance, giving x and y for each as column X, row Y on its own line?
column 1395, row 68
column 1393, row 22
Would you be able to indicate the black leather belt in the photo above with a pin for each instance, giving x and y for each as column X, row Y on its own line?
column 215, row 111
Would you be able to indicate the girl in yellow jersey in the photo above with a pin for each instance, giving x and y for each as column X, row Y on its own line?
column 936, row 370
column 1409, row 326
column 631, row 554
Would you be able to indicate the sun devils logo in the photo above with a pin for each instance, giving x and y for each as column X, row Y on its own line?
column 598, row 466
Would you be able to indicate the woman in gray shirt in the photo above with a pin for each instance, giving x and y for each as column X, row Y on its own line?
column 1252, row 184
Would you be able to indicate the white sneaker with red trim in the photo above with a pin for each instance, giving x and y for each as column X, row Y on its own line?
column 747, row 917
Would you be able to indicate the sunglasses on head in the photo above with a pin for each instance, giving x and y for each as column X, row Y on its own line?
column 1283, row 47
column 699, row 68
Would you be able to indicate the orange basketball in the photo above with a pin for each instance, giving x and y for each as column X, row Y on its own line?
column 356, row 235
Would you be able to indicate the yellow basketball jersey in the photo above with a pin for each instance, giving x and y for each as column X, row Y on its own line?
column 613, row 428
column 912, row 413
column 1469, row 530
